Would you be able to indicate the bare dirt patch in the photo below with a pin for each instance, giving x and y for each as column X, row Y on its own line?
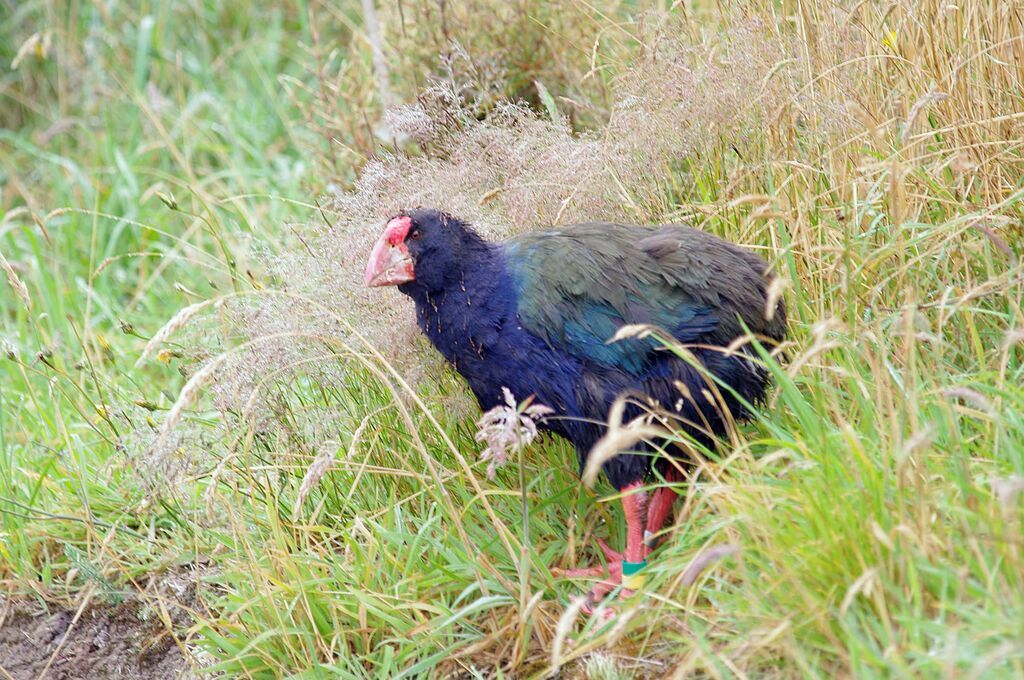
column 106, row 641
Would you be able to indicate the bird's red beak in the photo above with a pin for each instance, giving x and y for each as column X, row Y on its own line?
column 391, row 262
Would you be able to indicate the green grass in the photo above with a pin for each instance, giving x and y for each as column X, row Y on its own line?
column 148, row 147
column 85, row 153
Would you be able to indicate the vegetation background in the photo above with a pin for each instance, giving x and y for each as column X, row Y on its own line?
column 193, row 183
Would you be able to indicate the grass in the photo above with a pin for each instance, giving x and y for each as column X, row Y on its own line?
column 152, row 156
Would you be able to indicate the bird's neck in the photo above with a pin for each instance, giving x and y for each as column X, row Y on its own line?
column 474, row 273
column 461, row 317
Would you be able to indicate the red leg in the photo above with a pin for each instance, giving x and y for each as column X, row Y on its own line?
column 634, row 506
column 662, row 500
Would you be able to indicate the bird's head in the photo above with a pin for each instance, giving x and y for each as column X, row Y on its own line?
column 424, row 246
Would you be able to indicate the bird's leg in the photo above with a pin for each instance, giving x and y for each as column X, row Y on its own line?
column 634, row 506
column 661, row 506
column 662, row 500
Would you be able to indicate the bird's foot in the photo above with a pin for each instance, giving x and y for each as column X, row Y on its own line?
column 612, row 573
column 602, row 589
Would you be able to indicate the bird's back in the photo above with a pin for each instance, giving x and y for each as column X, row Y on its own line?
column 578, row 285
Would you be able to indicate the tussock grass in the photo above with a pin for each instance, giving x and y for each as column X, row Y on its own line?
column 324, row 483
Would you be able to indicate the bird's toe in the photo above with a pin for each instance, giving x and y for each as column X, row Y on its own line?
column 581, row 572
column 611, row 555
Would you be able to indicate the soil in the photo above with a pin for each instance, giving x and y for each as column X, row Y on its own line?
column 107, row 641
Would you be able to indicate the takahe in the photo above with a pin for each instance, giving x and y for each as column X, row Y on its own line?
column 534, row 314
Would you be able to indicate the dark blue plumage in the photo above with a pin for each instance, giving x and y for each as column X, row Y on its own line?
column 533, row 314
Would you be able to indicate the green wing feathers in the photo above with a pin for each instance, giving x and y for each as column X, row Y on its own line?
column 578, row 285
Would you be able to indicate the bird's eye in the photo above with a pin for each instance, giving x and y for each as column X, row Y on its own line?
column 415, row 235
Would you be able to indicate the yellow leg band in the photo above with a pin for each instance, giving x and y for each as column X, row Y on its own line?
column 634, row 581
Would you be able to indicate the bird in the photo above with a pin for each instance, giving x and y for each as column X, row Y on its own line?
column 534, row 315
